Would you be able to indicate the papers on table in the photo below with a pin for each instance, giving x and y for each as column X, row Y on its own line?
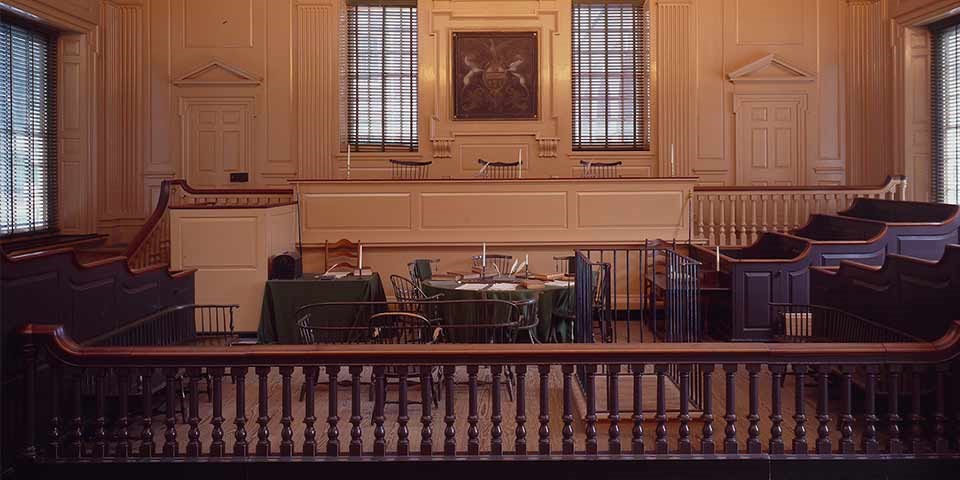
column 503, row 287
column 472, row 286
column 559, row 283
column 332, row 275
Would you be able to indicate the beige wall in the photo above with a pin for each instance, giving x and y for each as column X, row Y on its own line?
column 155, row 89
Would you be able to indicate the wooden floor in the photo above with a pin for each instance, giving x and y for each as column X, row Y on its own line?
column 509, row 411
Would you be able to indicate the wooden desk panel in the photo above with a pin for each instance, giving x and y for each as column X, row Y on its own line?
column 460, row 211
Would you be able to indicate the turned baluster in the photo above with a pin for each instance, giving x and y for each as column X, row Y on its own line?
column 310, row 377
column 286, row 412
column 100, row 422
column 764, row 199
column 776, row 412
column 218, row 447
column 194, row 446
column 473, row 431
column 916, row 419
column 426, row 412
column 240, row 435
column 333, row 417
column 170, row 446
column 846, row 418
column 711, row 225
column 520, row 445
column 75, row 449
column 683, row 440
column 823, row 415
column 800, row 429
column 613, row 393
column 263, row 412
column 54, row 436
column 591, row 419
column 636, row 443
column 893, row 418
column 753, row 219
column 723, row 223
column 730, row 431
column 496, row 417
column 940, row 443
column 744, row 224
column 147, row 446
column 449, row 431
column 700, row 201
column 379, row 398
column 870, row 444
column 356, row 433
column 661, row 444
column 567, row 432
column 797, row 219
column 707, row 444
column 124, row 446
column 753, row 431
column 403, row 415
column 544, row 431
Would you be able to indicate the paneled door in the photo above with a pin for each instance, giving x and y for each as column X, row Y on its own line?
column 770, row 139
column 218, row 136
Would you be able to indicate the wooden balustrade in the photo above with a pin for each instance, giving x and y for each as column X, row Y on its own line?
column 737, row 215
column 68, row 433
column 151, row 246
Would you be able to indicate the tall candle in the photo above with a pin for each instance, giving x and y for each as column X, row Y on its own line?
column 348, row 159
column 718, row 258
column 483, row 257
column 360, row 260
column 520, row 161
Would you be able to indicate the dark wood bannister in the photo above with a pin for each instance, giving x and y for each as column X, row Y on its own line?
column 869, row 401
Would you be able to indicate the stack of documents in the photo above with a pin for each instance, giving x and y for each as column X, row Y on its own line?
column 559, row 283
column 472, row 286
column 503, row 287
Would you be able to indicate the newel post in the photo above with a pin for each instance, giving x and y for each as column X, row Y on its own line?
column 30, row 351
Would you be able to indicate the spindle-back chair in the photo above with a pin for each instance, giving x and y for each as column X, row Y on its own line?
column 498, row 170
column 409, row 169
column 497, row 263
column 594, row 169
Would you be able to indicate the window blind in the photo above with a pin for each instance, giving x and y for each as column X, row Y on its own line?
column 28, row 134
column 382, row 75
column 611, row 75
column 945, row 96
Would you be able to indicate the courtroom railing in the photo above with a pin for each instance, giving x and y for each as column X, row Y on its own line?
column 151, row 246
column 919, row 374
column 738, row 215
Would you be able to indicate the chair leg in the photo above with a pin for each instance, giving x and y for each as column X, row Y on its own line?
column 511, row 383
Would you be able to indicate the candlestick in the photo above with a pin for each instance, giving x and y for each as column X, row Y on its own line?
column 360, row 260
column 718, row 258
column 483, row 257
column 348, row 159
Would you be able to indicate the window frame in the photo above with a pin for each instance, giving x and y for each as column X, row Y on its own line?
column 642, row 98
column 49, row 139
column 409, row 143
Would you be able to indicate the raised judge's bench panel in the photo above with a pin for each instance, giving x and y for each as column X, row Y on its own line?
column 468, row 211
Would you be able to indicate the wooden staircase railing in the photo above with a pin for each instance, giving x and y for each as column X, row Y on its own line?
column 151, row 246
column 738, row 215
column 55, row 432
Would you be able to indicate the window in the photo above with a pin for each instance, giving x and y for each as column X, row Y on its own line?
column 946, row 111
column 28, row 134
column 611, row 75
column 382, row 75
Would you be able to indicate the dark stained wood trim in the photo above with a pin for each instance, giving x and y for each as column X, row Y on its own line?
column 492, row 180
column 229, row 207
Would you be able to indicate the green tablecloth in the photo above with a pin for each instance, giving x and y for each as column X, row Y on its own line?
column 550, row 300
column 282, row 298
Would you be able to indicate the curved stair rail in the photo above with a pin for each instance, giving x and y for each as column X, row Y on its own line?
column 151, row 246
column 738, row 215
column 905, row 373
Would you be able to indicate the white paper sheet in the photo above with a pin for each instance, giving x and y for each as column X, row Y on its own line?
column 559, row 283
column 503, row 287
column 472, row 286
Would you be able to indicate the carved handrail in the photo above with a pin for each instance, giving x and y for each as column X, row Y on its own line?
column 151, row 246
column 738, row 215
column 59, row 345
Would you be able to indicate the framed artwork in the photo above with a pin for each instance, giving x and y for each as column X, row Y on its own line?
column 495, row 76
